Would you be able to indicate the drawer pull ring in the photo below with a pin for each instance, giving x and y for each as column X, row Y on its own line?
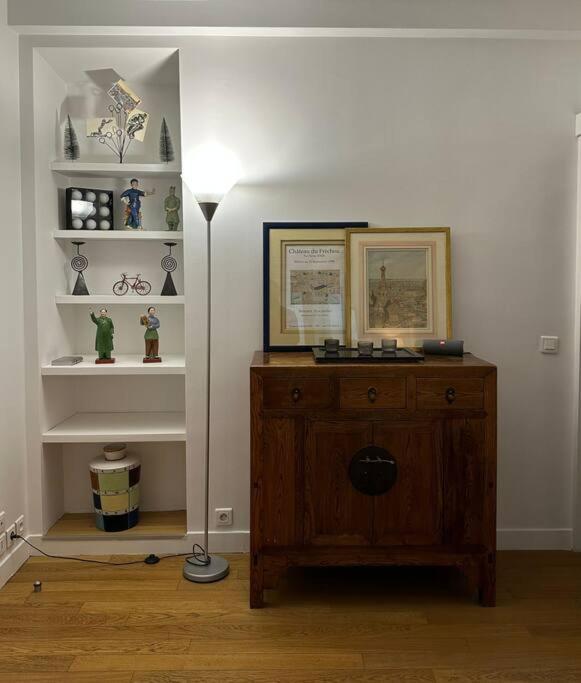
column 450, row 395
column 296, row 394
column 372, row 394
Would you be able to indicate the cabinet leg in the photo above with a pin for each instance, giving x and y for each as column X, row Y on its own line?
column 256, row 582
column 487, row 583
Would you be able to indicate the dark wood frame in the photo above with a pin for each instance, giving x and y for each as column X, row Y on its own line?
column 266, row 228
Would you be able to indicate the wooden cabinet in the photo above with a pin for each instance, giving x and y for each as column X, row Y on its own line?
column 374, row 464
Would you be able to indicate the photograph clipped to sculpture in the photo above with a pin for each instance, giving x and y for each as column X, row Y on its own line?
column 169, row 264
column 398, row 285
column 123, row 124
column 104, row 336
column 132, row 200
column 115, row 479
column 79, row 263
column 151, row 324
column 172, row 205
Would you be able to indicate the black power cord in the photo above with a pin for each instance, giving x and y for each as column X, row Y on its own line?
column 197, row 556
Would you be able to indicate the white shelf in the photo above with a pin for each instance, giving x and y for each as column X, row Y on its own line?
column 112, row 170
column 124, row 365
column 129, row 235
column 131, row 299
column 129, row 427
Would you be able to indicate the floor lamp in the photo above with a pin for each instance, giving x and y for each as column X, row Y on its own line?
column 210, row 172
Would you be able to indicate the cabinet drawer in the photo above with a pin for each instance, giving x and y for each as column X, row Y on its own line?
column 450, row 393
column 372, row 392
column 300, row 393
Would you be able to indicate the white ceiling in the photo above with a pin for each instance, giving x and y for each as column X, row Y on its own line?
column 135, row 65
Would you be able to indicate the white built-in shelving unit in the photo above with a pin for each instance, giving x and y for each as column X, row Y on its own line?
column 84, row 406
column 112, row 299
column 102, row 169
column 119, row 235
column 130, row 427
column 125, row 364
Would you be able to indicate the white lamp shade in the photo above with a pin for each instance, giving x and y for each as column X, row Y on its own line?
column 210, row 171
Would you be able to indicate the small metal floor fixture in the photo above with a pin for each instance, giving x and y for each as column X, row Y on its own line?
column 217, row 569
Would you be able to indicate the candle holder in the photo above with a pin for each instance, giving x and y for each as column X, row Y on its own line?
column 169, row 264
column 365, row 348
column 79, row 263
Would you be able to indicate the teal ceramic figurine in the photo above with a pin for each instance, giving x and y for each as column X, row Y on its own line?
column 132, row 198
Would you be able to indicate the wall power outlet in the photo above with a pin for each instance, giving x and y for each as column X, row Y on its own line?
column 223, row 516
column 2, row 544
column 10, row 541
column 2, row 523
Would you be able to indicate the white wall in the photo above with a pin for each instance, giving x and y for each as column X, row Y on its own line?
column 12, row 447
column 477, row 135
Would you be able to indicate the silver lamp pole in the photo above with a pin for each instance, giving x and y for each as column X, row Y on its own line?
column 207, row 568
column 210, row 172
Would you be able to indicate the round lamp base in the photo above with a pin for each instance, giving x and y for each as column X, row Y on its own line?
column 215, row 571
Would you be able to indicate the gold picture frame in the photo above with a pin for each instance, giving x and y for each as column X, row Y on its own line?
column 418, row 303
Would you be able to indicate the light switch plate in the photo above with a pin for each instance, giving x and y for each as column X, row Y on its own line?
column 549, row 344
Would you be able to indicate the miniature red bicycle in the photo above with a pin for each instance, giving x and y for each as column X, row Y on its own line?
column 136, row 284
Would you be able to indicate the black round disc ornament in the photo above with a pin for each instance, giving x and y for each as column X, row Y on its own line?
column 373, row 470
column 169, row 264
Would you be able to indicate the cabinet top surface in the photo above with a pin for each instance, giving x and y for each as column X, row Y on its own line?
column 305, row 359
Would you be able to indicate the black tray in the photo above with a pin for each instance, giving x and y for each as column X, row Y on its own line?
column 378, row 356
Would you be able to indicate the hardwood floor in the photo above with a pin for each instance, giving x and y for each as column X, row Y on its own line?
column 145, row 624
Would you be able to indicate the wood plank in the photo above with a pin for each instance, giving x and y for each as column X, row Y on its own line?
column 154, row 524
column 240, row 662
column 65, row 677
column 509, row 676
column 94, row 646
column 29, row 663
column 285, row 676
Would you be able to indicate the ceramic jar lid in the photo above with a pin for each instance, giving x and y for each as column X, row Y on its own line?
column 115, row 451
column 101, row 464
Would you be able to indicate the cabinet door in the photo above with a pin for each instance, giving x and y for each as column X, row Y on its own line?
column 281, row 453
column 410, row 513
column 335, row 512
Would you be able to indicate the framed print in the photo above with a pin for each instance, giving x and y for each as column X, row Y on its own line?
column 398, row 285
column 304, row 284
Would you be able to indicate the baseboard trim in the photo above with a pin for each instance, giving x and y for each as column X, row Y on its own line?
column 239, row 542
column 534, row 539
column 219, row 541
column 12, row 561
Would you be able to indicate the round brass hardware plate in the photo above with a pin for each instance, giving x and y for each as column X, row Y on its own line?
column 373, row 471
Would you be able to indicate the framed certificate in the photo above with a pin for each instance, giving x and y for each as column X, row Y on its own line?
column 398, row 285
column 304, row 284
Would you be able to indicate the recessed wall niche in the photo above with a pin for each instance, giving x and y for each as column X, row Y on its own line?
column 85, row 406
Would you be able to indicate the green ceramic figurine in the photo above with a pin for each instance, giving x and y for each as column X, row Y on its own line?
column 104, row 338
column 172, row 206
